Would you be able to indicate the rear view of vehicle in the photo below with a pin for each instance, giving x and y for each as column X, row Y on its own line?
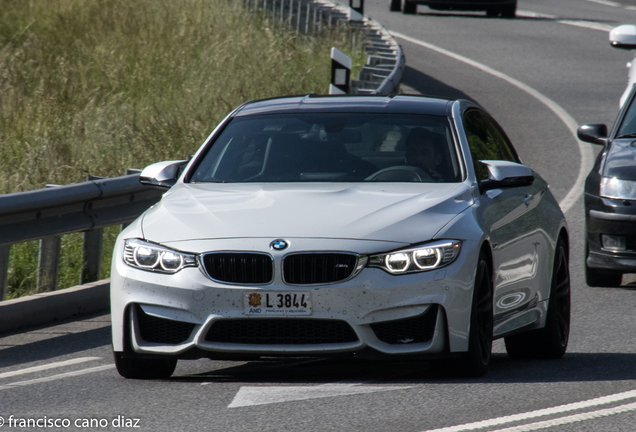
column 493, row 8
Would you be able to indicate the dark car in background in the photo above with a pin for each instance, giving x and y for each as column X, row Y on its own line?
column 610, row 199
column 493, row 8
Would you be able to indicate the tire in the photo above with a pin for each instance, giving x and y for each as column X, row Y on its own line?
column 476, row 361
column 595, row 278
column 408, row 8
column 509, row 11
column 551, row 341
column 136, row 368
column 492, row 13
column 395, row 5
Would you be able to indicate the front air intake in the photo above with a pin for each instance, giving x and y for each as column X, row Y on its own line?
column 160, row 330
column 284, row 331
column 410, row 330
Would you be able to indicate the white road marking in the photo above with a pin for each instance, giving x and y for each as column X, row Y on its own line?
column 585, row 151
column 249, row 396
column 545, row 412
column 56, row 377
column 605, row 3
column 588, row 24
column 47, row 366
column 585, row 24
column 630, row 7
column 571, row 419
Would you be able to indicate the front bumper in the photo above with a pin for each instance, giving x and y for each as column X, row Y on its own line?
column 422, row 313
column 610, row 217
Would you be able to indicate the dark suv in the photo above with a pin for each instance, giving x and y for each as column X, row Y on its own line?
column 610, row 199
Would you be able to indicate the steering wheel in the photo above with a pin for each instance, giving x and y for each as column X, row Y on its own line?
column 400, row 173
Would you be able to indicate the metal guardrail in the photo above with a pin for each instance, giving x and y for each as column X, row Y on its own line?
column 83, row 206
column 385, row 63
column 48, row 213
column 88, row 207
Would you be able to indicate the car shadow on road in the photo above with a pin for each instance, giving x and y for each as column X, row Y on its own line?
column 53, row 347
column 573, row 367
column 416, row 82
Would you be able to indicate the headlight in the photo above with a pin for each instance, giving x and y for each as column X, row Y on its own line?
column 152, row 257
column 618, row 189
column 421, row 258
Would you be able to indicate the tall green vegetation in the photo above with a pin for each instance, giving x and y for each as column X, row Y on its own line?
column 93, row 87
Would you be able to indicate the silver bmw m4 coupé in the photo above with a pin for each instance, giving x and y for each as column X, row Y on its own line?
column 399, row 227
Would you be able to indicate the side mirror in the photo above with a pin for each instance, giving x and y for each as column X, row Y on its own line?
column 623, row 37
column 595, row 133
column 504, row 174
column 162, row 174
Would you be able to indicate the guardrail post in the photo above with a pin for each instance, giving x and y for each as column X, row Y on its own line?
column 4, row 270
column 340, row 72
column 291, row 12
column 92, row 249
column 357, row 5
column 48, row 263
column 93, row 245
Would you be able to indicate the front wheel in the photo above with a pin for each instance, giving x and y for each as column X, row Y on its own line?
column 408, row 7
column 137, row 368
column 551, row 341
column 595, row 278
column 476, row 361
column 509, row 11
column 492, row 13
column 395, row 5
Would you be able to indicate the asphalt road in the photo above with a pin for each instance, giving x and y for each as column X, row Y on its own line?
column 539, row 74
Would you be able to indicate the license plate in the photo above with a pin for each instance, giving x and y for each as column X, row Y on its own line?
column 278, row 303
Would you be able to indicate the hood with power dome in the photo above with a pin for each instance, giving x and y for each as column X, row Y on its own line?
column 398, row 212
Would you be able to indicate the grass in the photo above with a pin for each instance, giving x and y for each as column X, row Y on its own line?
column 93, row 87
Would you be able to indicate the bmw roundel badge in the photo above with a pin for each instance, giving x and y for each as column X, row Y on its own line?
column 279, row 244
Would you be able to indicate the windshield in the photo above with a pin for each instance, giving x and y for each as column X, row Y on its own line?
column 329, row 147
column 628, row 125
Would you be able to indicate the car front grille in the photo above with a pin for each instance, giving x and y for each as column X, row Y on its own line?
column 281, row 332
column 239, row 267
column 409, row 330
column 318, row 268
column 161, row 330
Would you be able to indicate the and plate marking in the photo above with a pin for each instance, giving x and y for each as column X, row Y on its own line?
column 278, row 303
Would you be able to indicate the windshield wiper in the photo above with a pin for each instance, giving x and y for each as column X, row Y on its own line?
column 629, row 135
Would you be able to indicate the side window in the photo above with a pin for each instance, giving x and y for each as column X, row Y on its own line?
column 487, row 141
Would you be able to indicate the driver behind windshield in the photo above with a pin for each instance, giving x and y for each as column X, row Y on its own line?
column 425, row 150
